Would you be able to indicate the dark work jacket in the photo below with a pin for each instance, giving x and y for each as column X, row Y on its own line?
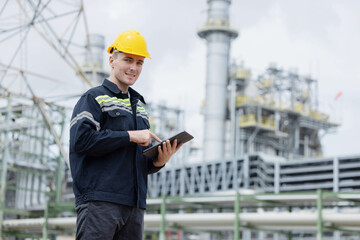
column 105, row 165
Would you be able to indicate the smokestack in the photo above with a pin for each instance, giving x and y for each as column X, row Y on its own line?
column 218, row 35
column 94, row 57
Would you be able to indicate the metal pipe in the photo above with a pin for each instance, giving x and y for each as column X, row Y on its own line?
column 210, row 221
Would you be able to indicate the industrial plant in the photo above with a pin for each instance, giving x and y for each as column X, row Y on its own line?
column 263, row 174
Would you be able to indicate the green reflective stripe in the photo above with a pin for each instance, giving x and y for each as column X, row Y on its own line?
column 108, row 103
column 105, row 98
column 101, row 96
column 141, row 109
column 115, row 100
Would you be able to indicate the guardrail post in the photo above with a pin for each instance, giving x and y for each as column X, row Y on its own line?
column 46, row 222
column 319, row 205
column 237, row 218
column 162, row 235
column 289, row 235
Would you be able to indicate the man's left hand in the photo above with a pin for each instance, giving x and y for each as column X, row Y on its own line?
column 166, row 152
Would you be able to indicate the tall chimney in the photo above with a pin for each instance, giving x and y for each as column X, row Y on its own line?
column 94, row 57
column 218, row 36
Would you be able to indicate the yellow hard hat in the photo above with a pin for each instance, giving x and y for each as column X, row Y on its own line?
column 130, row 42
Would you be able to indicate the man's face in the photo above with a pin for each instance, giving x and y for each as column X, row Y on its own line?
column 126, row 69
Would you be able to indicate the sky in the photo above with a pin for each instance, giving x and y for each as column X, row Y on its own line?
column 318, row 38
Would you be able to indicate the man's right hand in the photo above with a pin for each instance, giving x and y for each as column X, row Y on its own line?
column 142, row 137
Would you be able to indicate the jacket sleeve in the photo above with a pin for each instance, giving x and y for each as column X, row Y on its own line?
column 150, row 163
column 151, row 168
column 86, row 135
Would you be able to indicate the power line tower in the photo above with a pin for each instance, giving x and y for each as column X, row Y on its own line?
column 42, row 47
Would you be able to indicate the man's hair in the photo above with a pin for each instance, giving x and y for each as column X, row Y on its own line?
column 114, row 53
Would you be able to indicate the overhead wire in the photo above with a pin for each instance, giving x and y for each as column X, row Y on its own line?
column 39, row 21
column 69, row 59
column 20, row 44
column 37, row 18
column 3, row 7
column 73, row 30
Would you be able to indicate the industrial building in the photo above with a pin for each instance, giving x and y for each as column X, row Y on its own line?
column 263, row 175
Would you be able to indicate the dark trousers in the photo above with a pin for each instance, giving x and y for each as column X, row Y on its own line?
column 109, row 221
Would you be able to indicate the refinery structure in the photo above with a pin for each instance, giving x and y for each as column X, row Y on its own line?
column 263, row 175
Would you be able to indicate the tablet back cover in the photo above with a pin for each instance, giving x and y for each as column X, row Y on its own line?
column 181, row 137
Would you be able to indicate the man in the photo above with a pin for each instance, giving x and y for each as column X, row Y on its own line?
column 109, row 130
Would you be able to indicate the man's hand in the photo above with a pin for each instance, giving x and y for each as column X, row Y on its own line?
column 142, row 137
column 166, row 152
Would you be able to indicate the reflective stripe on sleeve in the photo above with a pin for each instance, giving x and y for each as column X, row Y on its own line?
column 85, row 114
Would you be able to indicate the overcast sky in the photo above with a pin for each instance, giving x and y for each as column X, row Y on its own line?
column 320, row 38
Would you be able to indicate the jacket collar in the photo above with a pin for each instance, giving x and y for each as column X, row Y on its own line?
column 113, row 88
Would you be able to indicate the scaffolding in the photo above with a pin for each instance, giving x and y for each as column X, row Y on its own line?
column 277, row 113
column 33, row 122
column 32, row 160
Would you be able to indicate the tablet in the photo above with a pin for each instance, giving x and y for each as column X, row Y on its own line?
column 181, row 137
